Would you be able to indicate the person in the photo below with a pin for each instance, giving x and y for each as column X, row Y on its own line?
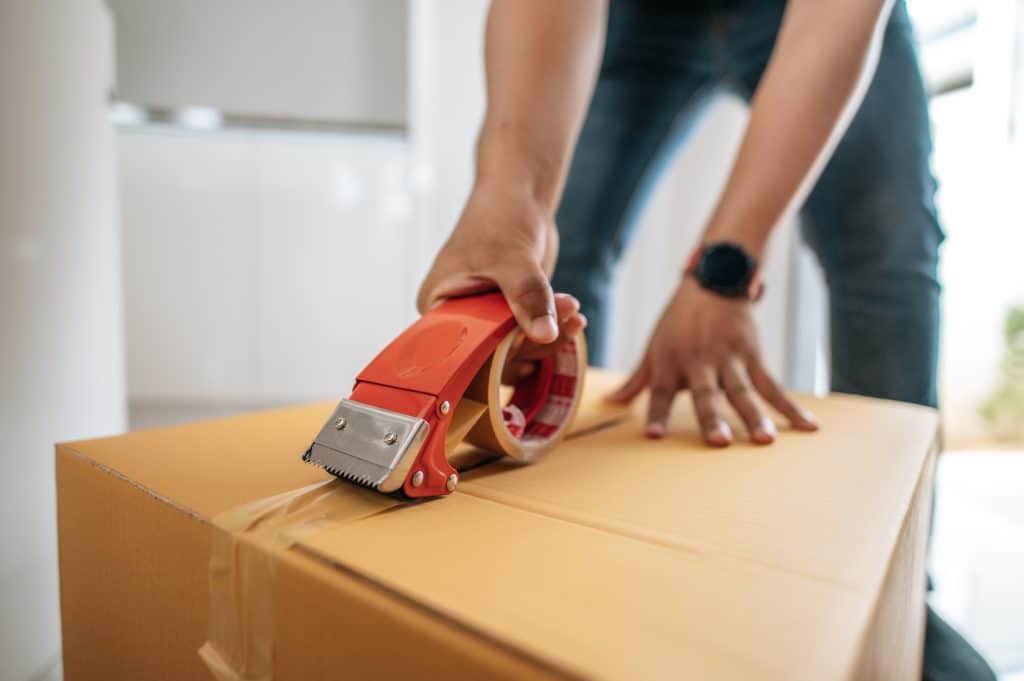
column 838, row 126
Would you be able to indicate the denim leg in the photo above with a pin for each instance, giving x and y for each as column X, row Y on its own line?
column 948, row 656
column 872, row 221
column 646, row 96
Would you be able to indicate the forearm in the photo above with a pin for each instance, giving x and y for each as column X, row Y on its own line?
column 541, row 62
column 823, row 62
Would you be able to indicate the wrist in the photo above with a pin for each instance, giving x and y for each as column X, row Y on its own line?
column 725, row 269
column 751, row 241
column 508, row 163
column 513, row 196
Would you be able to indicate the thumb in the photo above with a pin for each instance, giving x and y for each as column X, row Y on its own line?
column 529, row 294
column 633, row 386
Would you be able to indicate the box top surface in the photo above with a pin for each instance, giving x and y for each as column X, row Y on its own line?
column 613, row 555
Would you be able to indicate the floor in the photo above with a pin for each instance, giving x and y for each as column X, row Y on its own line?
column 977, row 557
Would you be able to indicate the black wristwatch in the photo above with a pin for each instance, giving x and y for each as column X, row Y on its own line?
column 727, row 270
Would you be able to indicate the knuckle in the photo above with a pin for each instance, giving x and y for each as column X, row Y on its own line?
column 737, row 390
column 530, row 288
column 771, row 388
column 708, row 418
column 663, row 391
column 529, row 291
column 706, row 392
column 762, row 379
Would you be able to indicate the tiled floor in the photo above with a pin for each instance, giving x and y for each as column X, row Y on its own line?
column 977, row 556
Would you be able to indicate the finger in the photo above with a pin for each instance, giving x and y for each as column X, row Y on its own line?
column 706, row 397
column 529, row 295
column 517, row 370
column 798, row 417
column 567, row 331
column 572, row 326
column 524, row 353
column 565, row 306
column 633, row 386
column 664, row 385
column 736, row 384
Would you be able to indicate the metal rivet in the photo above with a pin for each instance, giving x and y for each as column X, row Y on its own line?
column 445, row 407
column 417, row 478
column 390, row 438
column 453, row 480
column 340, row 423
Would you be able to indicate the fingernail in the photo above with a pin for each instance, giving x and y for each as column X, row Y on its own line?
column 809, row 417
column 765, row 432
column 544, row 328
column 655, row 430
column 583, row 318
column 720, row 434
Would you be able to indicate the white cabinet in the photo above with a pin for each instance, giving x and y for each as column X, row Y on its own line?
column 261, row 267
column 339, row 62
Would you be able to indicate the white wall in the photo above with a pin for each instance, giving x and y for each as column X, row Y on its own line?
column 314, row 60
column 445, row 111
column 61, row 372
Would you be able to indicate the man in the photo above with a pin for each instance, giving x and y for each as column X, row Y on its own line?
column 828, row 131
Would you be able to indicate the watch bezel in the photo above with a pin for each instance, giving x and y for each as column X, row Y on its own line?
column 738, row 289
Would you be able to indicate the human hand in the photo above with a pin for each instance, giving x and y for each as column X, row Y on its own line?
column 708, row 345
column 524, row 353
column 504, row 241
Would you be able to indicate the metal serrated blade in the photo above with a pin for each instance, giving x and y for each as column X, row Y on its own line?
column 367, row 445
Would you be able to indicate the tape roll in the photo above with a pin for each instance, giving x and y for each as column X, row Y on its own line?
column 397, row 430
column 539, row 410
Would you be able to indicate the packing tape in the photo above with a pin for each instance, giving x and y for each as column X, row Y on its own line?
column 534, row 419
column 249, row 538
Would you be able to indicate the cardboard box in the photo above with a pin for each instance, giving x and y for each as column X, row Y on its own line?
column 613, row 557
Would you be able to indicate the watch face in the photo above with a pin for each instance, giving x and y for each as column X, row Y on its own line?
column 726, row 269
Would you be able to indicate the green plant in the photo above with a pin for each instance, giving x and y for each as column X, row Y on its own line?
column 1003, row 411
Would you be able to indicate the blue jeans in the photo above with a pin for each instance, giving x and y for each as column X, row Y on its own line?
column 871, row 218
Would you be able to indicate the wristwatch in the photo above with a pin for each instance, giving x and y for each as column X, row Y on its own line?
column 727, row 270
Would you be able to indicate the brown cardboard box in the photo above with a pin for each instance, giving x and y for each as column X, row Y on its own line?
column 612, row 557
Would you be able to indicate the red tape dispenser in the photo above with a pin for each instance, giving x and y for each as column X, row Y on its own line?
column 438, row 383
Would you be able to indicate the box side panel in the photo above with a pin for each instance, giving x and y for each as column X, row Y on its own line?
column 134, row 599
column 133, row 578
column 595, row 603
column 335, row 625
column 894, row 643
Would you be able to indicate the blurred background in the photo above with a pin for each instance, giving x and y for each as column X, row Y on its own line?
column 209, row 207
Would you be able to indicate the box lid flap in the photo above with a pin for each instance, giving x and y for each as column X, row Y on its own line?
column 621, row 556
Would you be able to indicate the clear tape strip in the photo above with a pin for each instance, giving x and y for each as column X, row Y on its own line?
column 246, row 542
column 249, row 538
